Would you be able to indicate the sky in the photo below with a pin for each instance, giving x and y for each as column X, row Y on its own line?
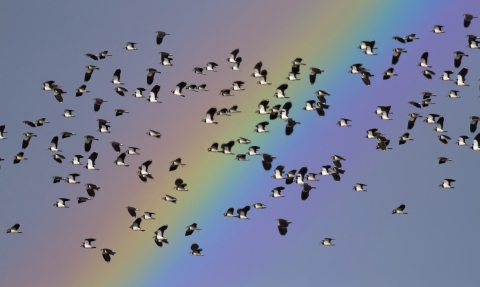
column 434, row 245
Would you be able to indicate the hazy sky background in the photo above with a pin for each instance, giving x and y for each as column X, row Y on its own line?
column 434, row 245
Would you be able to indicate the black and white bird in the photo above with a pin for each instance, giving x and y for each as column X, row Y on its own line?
column 89, row 72
column 446, row 76
column 241, row 157
column 424, row 60
column 165, row 59
column 71, row 179
column 372, row 133
column 447, row 183
column 2, row 132
column 136, row 225
column 132, row 211
column 260, row 127
column 230, row 212
column 227, row 147
column 107, row 254
column 58, row 157
column 237, row 86
column 57, row 93
column 14, row 229
column 233, row 56
column 290, row 125
column 154, row 94
column 300, row 177
column 180, row 185
column 461, row 77
column 210, row 115
column 132, row 150
column 325, row 170
column 259, row 205
column 277, row 192
column 293, row 77
column 29, row 123
column 54, row 145
column 174, row 164
column 88, row 142
column 368, row 47
column 198, row 70
column 461, row 141
column 226, row 93
column 214, row 148
column 278, row 172
column 357, row 68
column 399, row 210
column 82, row 199
column 472, row 42
column 66, row 134
column 467, row 19
column 428, row 74
column 150, row 75
column 91, row 161
column 120, row 90
column 202, row 87
column 396, row 55
column 103, row 55
column 178, row 89
column 343, row 122
column 327, row 242
column 91, row 189
column 313, row 74
column 257, row 70
column 116, row 77
column 242, row 212
column 311, row 177
column 399, row 39
column 196, row 250
column 306, row 191
column 130, row 46
column 388, row 73
column 444, row 138
column 143, row 173
column 263, row 107
column 457, row 61
column 290, row 176
column 359, row 187
column 310, row 105
column 26, row 139
column 160, row 236
column 191, row 228
column 267, row 160
column 474, row 123
column 49, row 86
column 40, row 122
column 148, row 215
column 76, row 159
column 411, row 37
column 160, row 36
column 192, row 87
column 138, row 93
column 366, row 78
column 223, row 112
column 169, row 198
column 154, row 134
column 280, row 92
column 102, row 126
column 439, row 127
column 81, row 90
column 431, row 118
column 263, row 78
column 211, row 66
column 404, row 138
column 442, row 160
column 119, row 112
column 120, row 161
column 437, row 29
column 243, row 141
column 234, row 110
column 97, row 104
column 282, row 226
column 87, row 243
column 476, row 143
column 236, row 65
column 61, row 203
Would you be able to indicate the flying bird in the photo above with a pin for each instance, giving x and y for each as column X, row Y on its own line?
column 282, row 226
column 160, row 36
column 151, row 75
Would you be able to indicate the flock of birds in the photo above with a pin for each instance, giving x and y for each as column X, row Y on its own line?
column 279, row 111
